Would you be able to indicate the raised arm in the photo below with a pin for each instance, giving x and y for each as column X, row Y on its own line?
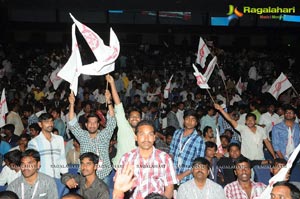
column 114, row 91
column 71, row 106
column 226, row 115
column 109, row 103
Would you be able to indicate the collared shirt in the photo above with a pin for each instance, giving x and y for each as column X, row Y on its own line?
column 280, row 136
column 53, row 157
column 97, row 190
column 98, row 145
column 208, row 121
column 211, row 190
column 269, row 120
column 44, row 185
column 125, row 140
column 252, row 143
column 8, row 175
column 192, row 146
column 153, row 174
column 235, row 191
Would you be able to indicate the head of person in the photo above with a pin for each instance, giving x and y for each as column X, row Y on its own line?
column 228, row 133
column 72, row 196
column 210, row 110
column 134, row 117
column 76, row 143
column 250, row 120
column 285, row 190
column 200, row 169
column 190, row 119
column 27, row 110
column 278, row 163
column 145, row 135
column 243, row 169
column 253, row 106
column 55, row 131
column 56, row 113
column 88, row 163
column 169, row 134
column 93, row 122
column 208, row 132
column 225, row 140
column 210, row 149
column 23, row 140
column 174, row 108
column 13, row 159
column 8, row 195
column 8, row 130
column 234, row 150
column 30, row 163
column 46, row 122
column 180, row 106
column 289, row 113
column 87, row 107
column 34, row 129
column 271, row 108
column 155, row 196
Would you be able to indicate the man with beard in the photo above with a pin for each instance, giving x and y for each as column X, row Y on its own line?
column 32, row 183
column 153, row 169
column 126, row 127
column 286, row 134
column 200, row 186
column 90, row 186
column 51, row 148
column 243, row 187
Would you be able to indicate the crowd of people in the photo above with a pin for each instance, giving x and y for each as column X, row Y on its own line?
column 162, row 147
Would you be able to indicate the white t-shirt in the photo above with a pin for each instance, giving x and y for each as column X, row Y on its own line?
column 268, row 120
column 252, row 143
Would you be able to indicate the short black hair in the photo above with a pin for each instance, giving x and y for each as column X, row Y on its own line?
column 8, row 195
column 201, row 161
column 210, row 144
column 242, row 159
column 190, row 112
column 13, row 157
column 143, row 123
column 155, row 196
column 205, row 130
column 225, row 137
column 27, row 108
column 45, row 116
column 279, row 161
column 250, row 115
column 31, row 153
column 288, row 107
column 169, row 131
column 234, row 145
column 295, row 192
column 35, row 126
column 9, row 127
column 135, row 110
column 93, row 114
column 73, row 195
column 91, row 156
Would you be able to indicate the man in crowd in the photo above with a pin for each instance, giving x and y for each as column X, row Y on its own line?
column 200, row 186
column 285, row 190
column 269, row 119
column 90, row 186
column 32, row 183
column 186, row 145
column 58, row 122
column 51, row 148
column 10, row 137
column 14, row 118
column 153, row 168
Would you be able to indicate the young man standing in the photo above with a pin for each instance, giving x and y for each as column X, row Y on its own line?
column 90, row 186
column 153, row 168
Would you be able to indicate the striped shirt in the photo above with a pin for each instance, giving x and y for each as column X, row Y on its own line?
column 53, row 157
column 184, row 150
column 235, row 191
column 98, row 145
column 153, row 174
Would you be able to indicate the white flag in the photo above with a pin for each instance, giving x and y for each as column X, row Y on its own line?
column 210, row 68
column 168, row 88
column 240, row 86
column 280, row 176
column 202, row 53
column 3, row 108
column 201, row 80
column 221, row 73
column 71, row 70
column 218, row 142
column 280, row 85
column 55, row 79
column 104, row 54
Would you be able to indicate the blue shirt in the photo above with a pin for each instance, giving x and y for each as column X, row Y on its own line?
column 187, row 149
column 4, row 148
column 280, row 136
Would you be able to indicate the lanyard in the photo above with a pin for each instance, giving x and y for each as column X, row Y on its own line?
column 181, row 148
column 34, row 190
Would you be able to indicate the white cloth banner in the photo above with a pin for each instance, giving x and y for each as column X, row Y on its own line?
column 3, row 108
column 168, row 88
column 280, row 85
column 202, row 53
column 201, row 80
column 280, row 176
column 210, row 68
column 56, row 80
column 218, row 142
column 240, row 86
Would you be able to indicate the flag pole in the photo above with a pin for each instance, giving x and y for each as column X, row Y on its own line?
column 227, row 97
column 295, row 90
column 106, row 89
column 210, row 96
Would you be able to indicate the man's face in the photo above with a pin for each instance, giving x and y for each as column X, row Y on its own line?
column 243, row 171
column 54, row 114
column 190, row 122
column 234, row 152
column 277, row 167
column 169, row 139
column 26, row 114
column 281, row 192
column 211, row 112
column 29, row 166
column 210, row 152
column 23, row 142
column 250, row 122
column 134, row 118
column 181, row 106
column 224, row 142
column 200, row 172
column 145, row 137
column 88, row 167
column 92, row 125
column 289, row 115
column 33, row 132
column 271, row 109
column 46, row 125
column 87, row 108
column 210, row 133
